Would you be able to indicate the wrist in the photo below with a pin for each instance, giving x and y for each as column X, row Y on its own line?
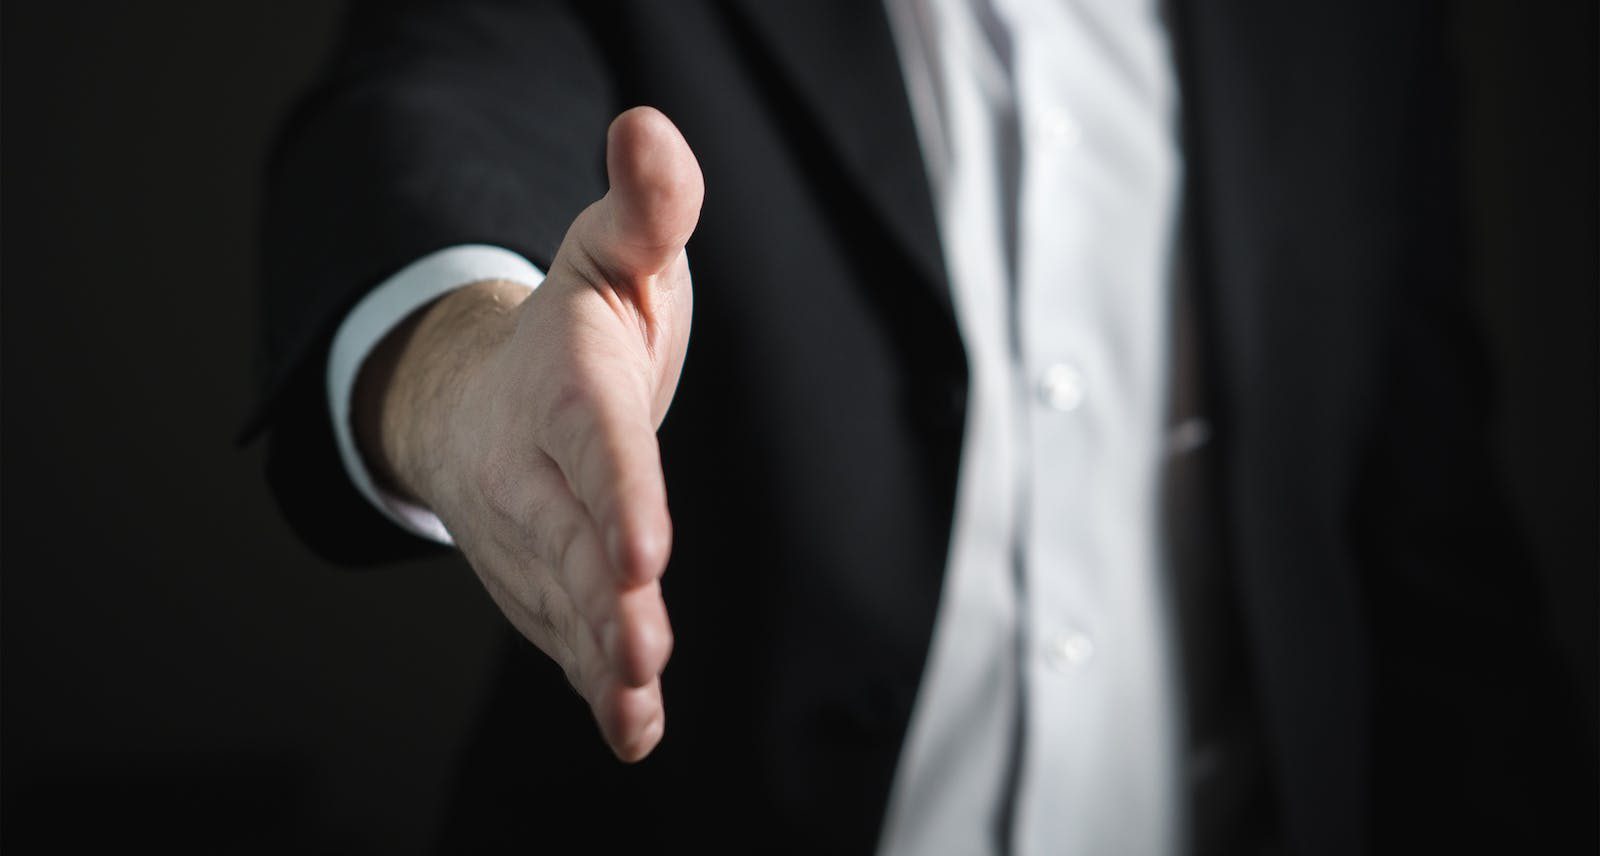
column 415, row 381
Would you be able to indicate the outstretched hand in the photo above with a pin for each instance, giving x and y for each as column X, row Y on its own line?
column 529, row 426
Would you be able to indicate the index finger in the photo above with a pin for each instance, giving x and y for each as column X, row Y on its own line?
column 601, row 436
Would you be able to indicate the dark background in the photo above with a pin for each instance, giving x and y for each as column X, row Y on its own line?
column 177, row 669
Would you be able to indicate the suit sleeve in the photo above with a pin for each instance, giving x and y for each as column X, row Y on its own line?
column 436, row 124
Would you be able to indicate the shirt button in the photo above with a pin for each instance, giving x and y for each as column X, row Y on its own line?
column 1068, row 651
column 1060, row 129
column 1061, row 387
column 1187, row 436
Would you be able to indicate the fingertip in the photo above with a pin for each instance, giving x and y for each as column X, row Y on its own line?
column 640, row 551
column 656, row 178
column 644, row 146
column 645, row 638
column 637, row 722
column 649, row 550
column 645, row 742
column 636, row 128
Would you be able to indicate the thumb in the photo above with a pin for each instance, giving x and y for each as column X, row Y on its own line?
column 640, row 226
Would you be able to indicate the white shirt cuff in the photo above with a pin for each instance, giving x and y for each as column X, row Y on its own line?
column 414, row 287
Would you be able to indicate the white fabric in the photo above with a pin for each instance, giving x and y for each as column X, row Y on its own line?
column 1046, row 719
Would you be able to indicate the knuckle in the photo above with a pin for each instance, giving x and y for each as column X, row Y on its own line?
column 648, row 659
column 654, row 641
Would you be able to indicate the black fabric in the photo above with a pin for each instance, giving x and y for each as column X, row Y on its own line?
column 811, row 452
column 1232, row 809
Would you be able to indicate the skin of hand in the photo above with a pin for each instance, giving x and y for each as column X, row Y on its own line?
column 527, row 423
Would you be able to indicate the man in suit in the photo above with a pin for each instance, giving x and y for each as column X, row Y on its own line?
column 1352, row 622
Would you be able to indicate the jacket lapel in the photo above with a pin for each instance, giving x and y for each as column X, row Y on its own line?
column 1291, row 122
column 838, row 59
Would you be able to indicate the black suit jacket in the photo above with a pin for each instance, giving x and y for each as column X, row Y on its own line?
column 811, row 453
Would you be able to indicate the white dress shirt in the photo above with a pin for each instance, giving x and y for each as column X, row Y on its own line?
column 1047, row 720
